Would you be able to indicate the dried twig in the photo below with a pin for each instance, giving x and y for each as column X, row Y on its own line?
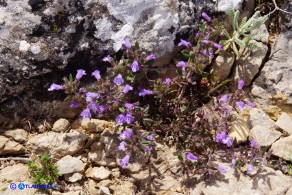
column 277, row 8
column 16, row 158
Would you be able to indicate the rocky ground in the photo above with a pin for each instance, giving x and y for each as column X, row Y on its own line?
column 41, row 41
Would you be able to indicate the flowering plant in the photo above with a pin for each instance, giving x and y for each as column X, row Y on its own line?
column 173, row 108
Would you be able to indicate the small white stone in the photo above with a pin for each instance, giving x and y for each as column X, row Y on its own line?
column 61, row 125
column 98, row 173
column 35, row 49
column 24, row 46
column 104, row 191
column 69, row 164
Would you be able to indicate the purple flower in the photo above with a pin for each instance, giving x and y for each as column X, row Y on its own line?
column 55, row 87
column 211, row 54
column 126, row 134
column 253, row 143
column 250, row 169
column 127, row 88
column 205, row 52
column 86, row 113
column 127, row 43
column 135, row 66
column 118, row 80
column 251, row 104
column 227, row 141
column 218, row 46
column 233, row 161
column 96, row 74
column 184, row 43
column 148, row 149
column 144, row 92
column 206, row 17
column 74, row 105
column 107, row 58
column 224, row 99
column 150, row 57
column 220, row 136
column 240, row 105
column 90, row 96
column 80, row 74
column 222, row 168
column 181, row 64
column 190, row 156
column 122, row 146
column 167, row 81
column 102, row 108
column 240, row 84
column 129, row 118
column 225, row 112
column 150, row 137
column 125, row 161
column 93, row 106
column 205, row 41
column 129, row 106
column 120, row 119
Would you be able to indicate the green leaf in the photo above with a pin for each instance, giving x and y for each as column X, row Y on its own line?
column 226, row 33
column 70, row 79
column 202, row 27
column 146, row 143
column 183, row 108
column 204, row 74
column 243, row 22
column 128, row 141
column 235, row 20
column 144, row 134
column 235, row 49
column 180, row 158
column 133, row 154
column 185, row 54
column 122, row 109
column 136, row 47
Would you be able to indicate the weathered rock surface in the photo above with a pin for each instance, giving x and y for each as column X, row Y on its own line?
column 15, row 174
column 268, row 182
column 283, row 148
column 69, row 164
column 73, row 177
column 98, row 173
column 57, row 144
column 285, row 123
column 222, row 66
column 259, row 117
column 19, row 135
column 264, row 136
column 97, row 125
column 273, row 86
column 10, row 147
column 239, row 129
column 249, row 63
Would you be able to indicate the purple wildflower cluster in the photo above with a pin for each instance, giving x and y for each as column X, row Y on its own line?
column 134, row 142
column 172, row 106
